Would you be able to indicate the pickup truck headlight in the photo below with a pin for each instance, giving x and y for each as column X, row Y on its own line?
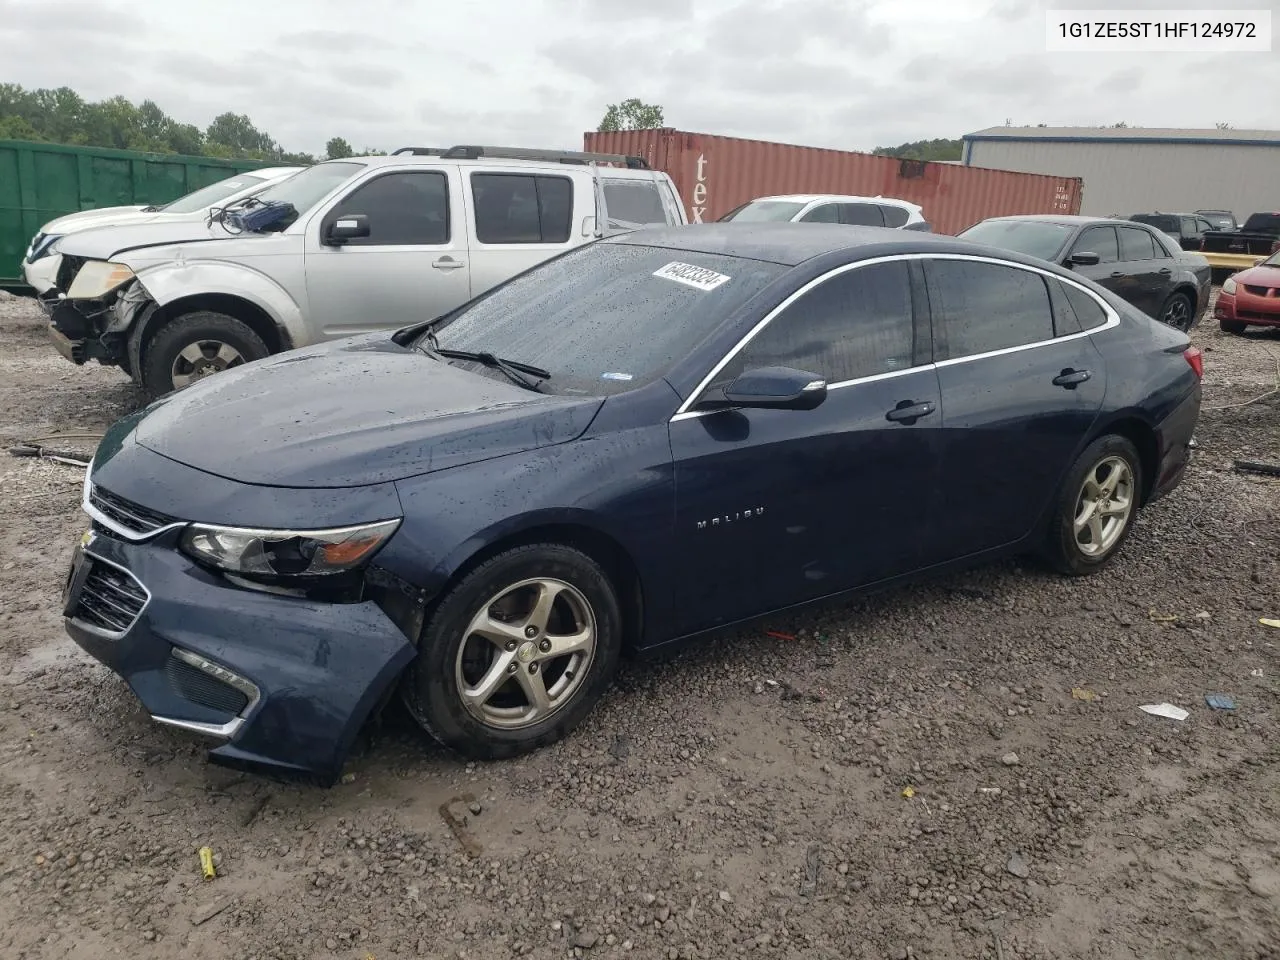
column 1229, row 286
column 42, row 246
column 97, row 278
column 286, row 553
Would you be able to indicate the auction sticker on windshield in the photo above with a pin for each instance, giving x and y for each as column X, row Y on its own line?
column 700, row 278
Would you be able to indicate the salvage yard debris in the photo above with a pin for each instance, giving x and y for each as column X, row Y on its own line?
column 1219, row 701
column 1083, row 693
column 206, row 863
column 1253, row 466
column 1166, row 710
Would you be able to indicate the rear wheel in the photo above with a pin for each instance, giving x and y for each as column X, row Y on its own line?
column 196, row 345
column 1178, row 312
column 1232, row 326
column 517, row 653
column 1096, row 507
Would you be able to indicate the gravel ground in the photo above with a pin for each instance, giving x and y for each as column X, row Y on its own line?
column 909, row 777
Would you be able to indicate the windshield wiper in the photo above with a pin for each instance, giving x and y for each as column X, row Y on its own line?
column 514, row 369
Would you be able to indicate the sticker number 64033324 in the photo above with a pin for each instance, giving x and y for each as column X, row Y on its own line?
column 700, row 278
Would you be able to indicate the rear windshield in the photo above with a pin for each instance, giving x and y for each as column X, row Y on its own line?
column 1263, row 223
column 1158, row 220
column 1036, row 238
column 607, row 317
column 765, row 211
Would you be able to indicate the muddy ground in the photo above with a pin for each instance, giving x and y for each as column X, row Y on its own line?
column 749, row 799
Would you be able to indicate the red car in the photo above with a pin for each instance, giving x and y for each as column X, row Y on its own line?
column 1251, row 296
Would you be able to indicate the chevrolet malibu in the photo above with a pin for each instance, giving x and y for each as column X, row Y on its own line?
column 646, row 439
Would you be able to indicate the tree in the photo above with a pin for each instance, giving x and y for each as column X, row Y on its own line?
column 337, row 149
column 631, row 114
column 924, row 150
column 236, row 132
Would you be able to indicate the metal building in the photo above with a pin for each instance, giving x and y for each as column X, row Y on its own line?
column 1130, row 170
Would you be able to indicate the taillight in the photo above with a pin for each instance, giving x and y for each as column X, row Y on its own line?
column 1195, row 358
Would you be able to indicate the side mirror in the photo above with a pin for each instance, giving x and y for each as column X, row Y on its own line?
column 353, row 226
column 1085, row 259
column 776, row 388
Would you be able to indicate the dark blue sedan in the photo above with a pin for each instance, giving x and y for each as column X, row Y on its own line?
column 645, row 439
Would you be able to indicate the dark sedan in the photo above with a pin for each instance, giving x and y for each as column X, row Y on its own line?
column 1140, row 264
column 649, row 438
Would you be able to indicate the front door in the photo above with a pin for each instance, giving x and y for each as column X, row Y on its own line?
column 774, row 507
column 1018, row 398
column 1109, row 271
column 413, row 266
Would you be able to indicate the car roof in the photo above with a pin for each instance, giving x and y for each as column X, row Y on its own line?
column 836, row 197
column 406, row 159
column 790, row 244
column 1061, row 218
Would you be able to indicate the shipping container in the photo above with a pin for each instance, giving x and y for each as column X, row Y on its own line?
column 716, row 174
column 41, row 181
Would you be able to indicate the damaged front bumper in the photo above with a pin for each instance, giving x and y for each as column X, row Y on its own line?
column 83, row 330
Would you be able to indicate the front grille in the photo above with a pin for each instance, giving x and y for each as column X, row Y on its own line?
column 192, row 683
column 67, row 271
column 111, row 599
column 1256, row 315
column 1258, row 291
column 126, row 513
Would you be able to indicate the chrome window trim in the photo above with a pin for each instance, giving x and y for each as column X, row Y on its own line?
column 113, row 635
column 683, row 412
column 133, row 536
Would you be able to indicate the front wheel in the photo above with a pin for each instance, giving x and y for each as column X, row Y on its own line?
column 517, row 653
column 196, row 345
column 1178, row 312
column 1096, row 507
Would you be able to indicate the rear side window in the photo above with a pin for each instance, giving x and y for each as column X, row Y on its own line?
column 1087, row 310
column 521, row 208
column 1065, row 321
column 986, row 306
column 862, row 214
column 894, row 216
column 1136, row 244
column 823, row 213
column 634, row 201
column 1099, row 240
column 857, row 324
column 403, row 209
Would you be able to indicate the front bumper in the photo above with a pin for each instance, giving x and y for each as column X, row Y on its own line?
column 283, row 683
column 1244, row 307
column 42, row 274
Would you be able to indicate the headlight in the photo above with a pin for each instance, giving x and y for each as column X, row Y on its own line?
column 286, row 553
column 1230, row 285
column 42, row 245
column 97, row 278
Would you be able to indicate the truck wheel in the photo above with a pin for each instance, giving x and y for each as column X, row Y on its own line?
column 196, row 345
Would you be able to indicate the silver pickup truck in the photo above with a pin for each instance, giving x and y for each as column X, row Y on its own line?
column 344, row 247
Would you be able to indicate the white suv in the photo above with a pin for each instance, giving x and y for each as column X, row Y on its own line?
column 344, row 247
column 832, row 208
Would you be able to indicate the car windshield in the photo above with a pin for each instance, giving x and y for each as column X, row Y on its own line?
column 308, row 187
column 765, row 211
column 1036, row 238
column 607, row 317
column 1272, row 261
column 206, row 197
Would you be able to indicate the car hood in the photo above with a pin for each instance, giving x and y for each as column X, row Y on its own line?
column 104, row 242
column 1268, row 276
column 351, row 413
column 92, row 218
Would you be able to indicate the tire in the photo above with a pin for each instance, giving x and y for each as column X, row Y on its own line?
column 1232, row 326
column 219, row 340
column 1179, row 312
column 1064, row 549
column 451, row 658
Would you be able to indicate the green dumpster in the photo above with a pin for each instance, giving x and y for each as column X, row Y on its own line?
column 40, row 181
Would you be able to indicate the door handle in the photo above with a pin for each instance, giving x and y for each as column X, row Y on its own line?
column 908, row 411
column 1071, row 378
column 447, row 263
column 1166, row 271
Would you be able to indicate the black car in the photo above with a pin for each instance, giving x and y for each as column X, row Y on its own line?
column 1186, row 228
column 1141, row 264
column 646, row 439
column 1220, row 219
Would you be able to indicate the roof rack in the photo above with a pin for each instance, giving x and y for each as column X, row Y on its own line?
column 472, row 152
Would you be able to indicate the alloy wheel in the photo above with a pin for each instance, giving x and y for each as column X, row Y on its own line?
column 202, row 359
column 1104, row 506
column 1177, row 313
column 526, row 653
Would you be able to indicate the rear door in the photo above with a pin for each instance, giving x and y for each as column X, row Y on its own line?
column 1149, row 266
column 520, row 218
column 1020, row 391
column 411, row 267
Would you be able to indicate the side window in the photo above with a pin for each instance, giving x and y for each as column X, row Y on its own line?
column 824, row 213
column 1087, row 310
column 634, row 201
column 403, row 208
column 1189, row 227
column 1203, row 225
column 857, row 324
column 522, row 208
column 862, row 214
column 986, row 306
column 1099, row 240
column 1136, row 244
column 1065, row 321
column 894, row 216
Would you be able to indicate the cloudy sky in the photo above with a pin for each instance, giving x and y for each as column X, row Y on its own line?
column 849, row 74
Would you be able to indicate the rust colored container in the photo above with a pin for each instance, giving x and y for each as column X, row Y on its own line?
column 717, row 174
